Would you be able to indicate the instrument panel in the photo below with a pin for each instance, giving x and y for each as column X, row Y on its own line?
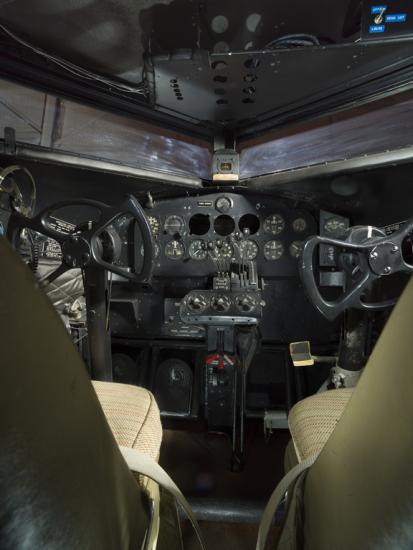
column 197, row 236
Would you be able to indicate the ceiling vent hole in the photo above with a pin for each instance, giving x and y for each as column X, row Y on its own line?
column 219, row 65
column 220, row 78
column 219, row 24
column 253, row 21
column 252, row 63
column 221, row 47
column 248, row 100
column 250, row 90
column 250, row 78
column 222, row 102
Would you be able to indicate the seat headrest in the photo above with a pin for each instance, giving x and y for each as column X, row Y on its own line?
column 63, row 481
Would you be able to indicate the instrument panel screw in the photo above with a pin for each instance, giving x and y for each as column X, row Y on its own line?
column 373, row 255
column 395, row 249
column 387, row 270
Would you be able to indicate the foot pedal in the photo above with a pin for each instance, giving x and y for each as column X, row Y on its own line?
column 302, row 357
column 301, row 354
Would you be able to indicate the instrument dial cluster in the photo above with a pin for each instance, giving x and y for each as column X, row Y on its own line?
column 197, row 234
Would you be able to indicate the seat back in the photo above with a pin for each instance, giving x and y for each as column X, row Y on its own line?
column 359, row 493
column 63, row 481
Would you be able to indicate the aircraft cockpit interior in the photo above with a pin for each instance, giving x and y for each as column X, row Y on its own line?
column 206, row 250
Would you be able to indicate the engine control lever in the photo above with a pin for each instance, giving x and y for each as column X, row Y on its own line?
column 247, row 340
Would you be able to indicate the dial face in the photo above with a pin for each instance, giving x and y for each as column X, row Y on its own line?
column 296, row 248
column 274, row 224
column 226, row 250
column 248, row 250
column 335, row 226
column 223, row 204
column 174, row 250
column 174, row 225
column 155, row 250
column 299, row 225
column 273, row 250
column 155, row 226
column 198, row 250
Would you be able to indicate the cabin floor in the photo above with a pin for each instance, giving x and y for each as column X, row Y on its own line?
column 229, row 505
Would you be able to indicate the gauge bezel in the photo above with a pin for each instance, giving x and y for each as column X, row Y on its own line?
column 243, row 244
column 266, row 256
column 271, row 231
column 157, row 233
column 301, row 243
column 301, row 229
column 225, row 210
column 182, row 225
column 218, row 251
column 196, row 259
column 174, row 258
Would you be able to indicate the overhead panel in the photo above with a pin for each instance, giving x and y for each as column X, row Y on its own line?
column 242, row 88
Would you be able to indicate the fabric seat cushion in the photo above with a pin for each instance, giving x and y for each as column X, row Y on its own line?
column 133, row 416
column 312, row 420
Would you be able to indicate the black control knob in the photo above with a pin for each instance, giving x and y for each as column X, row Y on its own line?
column 246, row 303
column 221, row 304
column 197, row 303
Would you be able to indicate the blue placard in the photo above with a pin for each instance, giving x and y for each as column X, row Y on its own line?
column 378, row 9
column 376, row 28
column 396, row 18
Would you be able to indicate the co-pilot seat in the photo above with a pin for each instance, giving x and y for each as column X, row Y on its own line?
column 312, row 421
column 63, row 481
column 359, row 491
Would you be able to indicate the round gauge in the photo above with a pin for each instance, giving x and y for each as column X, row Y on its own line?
column 155, row 226
column 174, row 250
column 225, row 250
column 299, row 225
column 174, row 225
column 335, row 226
column 223, row 204
column 248, row 250
column 198, row 250
column 155, row 250
column 273, row 250
column 296, row 248
column 274, row 224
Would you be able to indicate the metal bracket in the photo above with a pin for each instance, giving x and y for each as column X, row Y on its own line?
column 274, row 420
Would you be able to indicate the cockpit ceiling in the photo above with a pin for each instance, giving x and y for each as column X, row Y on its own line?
column 212, row 65
column 63, row 131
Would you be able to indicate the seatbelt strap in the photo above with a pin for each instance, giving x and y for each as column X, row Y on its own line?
column 142, row 464
column 276, row 498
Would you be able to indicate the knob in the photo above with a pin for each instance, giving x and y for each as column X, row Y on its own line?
column 246, row 303
column 197, row 303
column 221, row 304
